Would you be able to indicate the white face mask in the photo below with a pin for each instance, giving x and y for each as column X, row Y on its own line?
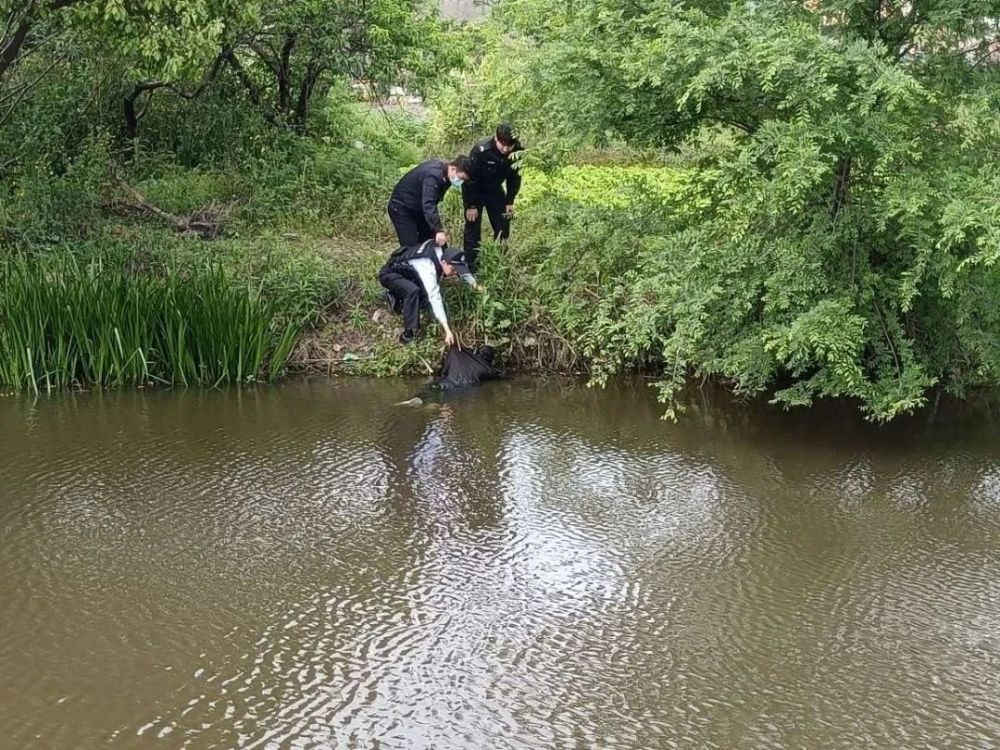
column 457, row 181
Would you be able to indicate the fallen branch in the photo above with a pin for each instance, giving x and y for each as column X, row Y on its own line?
column 206, row 223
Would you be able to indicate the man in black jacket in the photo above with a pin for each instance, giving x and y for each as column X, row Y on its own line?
column 492, row 169
column 413, row 206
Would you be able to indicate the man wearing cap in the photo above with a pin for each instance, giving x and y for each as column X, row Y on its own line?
column 491, row 171
column 412, row 276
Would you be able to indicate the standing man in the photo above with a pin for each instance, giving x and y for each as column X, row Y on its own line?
column 413, row 206
column 492, row 169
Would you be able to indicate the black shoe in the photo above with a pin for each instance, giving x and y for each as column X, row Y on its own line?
column 407, row 336
column 391, row 302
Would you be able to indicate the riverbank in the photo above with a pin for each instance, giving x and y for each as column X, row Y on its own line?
column 308, row 237
column 529, row 310
column 614, row 267
column 567, row 296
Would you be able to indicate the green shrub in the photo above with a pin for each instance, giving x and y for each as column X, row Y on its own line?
column 115, row 320
column 44, row 205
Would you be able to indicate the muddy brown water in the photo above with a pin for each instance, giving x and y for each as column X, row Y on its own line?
column 531, row 565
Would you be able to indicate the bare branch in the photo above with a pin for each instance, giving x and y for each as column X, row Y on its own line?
column 133, row 116
column 207, row 223
column 13, row 41
column 251, row 88
column 23, row 90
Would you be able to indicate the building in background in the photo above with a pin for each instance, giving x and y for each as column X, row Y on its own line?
column 464, row 10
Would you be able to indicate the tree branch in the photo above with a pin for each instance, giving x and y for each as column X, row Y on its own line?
column 206, row 223
column 22, row 92
column 132, row 116
column 841, row 186
column 283, row 72
column 251, row 88
column 313, row 71
column 13, row 43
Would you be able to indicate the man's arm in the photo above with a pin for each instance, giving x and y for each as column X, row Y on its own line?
column 513, row 180
column 470, row 189
column 429, row 202
column 428, row 277
column 470, row 196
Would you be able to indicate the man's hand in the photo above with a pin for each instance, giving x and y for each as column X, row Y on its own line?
column 449, row 338
column 471, row 214
column 440, row 239
column 509, row 210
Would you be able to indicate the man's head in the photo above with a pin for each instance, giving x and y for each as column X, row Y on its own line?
column 453, row 262
column 459, row 170
column 505, row 139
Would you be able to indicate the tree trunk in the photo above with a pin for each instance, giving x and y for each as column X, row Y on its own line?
column 283, row 73
column 133, row 115
column 10, row 48
column 131, row 111
column 313, row 71
column 841, row 186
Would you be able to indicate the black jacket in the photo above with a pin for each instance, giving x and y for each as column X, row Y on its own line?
column 420, row 190
column 490, row 170
column 425, row 249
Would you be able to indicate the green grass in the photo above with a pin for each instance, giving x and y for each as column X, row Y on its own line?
column 104, row 322
column 607, row 186
column 306, row 227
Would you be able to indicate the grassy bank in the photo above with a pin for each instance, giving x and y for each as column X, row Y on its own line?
column 295, row 288
column 573, row 230
column 296, row 232
column 806, row 226
column 123, row 319
column 609, row 270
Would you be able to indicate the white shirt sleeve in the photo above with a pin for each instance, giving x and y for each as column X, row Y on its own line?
column 428, row 277
column 469, row 279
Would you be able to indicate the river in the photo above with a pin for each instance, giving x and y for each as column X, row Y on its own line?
column 528, row 565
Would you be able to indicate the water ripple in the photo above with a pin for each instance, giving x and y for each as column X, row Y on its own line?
column 529, row 566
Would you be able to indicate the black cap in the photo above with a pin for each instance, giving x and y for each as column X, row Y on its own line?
column 455, row 258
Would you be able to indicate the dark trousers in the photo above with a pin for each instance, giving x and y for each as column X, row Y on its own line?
column 494, row 205
column 411, row 228
column 404, row 285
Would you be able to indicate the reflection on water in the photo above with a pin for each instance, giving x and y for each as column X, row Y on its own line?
column 529, row 565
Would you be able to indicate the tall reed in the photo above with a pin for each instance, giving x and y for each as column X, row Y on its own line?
column 104, row 322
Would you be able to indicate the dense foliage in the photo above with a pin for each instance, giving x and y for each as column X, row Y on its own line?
column 123, row 122
column 799, row 198
column 70, row 69
column 845, row 170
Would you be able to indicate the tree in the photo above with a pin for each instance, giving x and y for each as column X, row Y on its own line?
column 295, row 49
column 282, row 53
column 21, row 18
column 850, row 236
column 163, row 43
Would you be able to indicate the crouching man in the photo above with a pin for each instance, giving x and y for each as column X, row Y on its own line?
column 411, row 278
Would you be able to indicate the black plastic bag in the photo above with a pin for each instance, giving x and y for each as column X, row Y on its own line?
column 463, row 367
